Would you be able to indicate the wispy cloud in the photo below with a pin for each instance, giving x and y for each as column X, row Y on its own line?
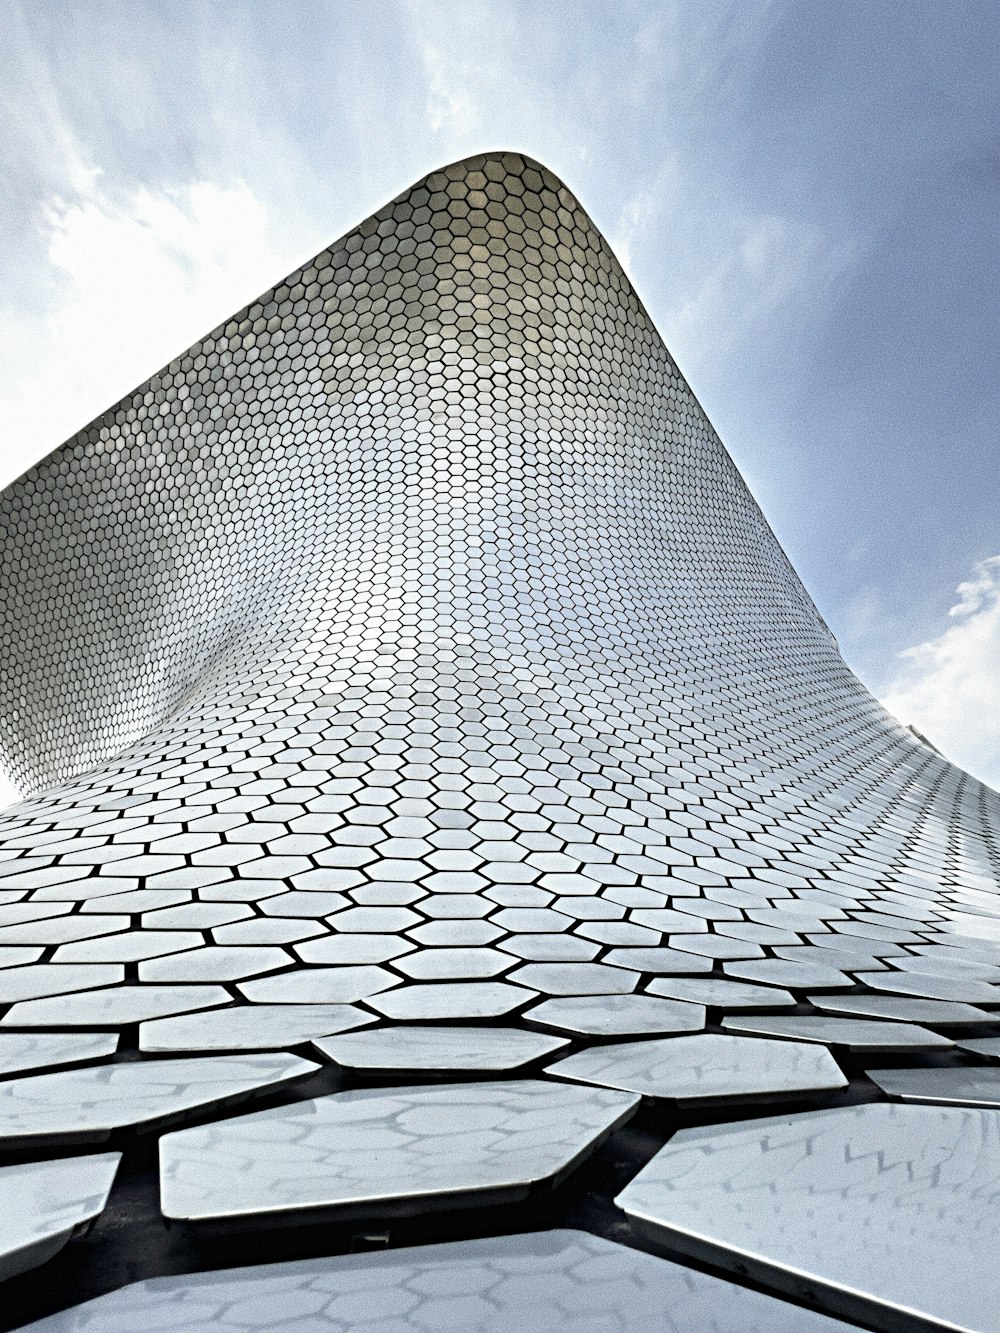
column 773, row 279
column 949, row 687
column 134, row 278
column 641, row 215
column 465, row 54
column 450, row 102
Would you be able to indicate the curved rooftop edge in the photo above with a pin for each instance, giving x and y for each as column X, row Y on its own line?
column 123, row 578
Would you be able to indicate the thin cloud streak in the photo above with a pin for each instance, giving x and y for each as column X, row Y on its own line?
column 949, row 686
column 137, row 281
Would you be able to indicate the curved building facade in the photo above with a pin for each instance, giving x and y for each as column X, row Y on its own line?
column 429, row 738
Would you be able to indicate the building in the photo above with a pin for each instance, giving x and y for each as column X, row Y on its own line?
column 432, row 741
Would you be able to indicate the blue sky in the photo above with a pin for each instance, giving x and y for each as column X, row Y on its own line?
column 804, row 194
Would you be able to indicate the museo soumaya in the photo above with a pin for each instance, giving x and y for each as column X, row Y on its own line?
column 430, row 747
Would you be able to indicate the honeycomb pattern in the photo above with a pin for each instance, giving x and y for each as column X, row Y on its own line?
column 410, row 651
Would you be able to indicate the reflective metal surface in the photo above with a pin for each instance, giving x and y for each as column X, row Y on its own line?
column 20, row 1051
column 409, row 653
column 964, row 1087
column 416, row 1049
column 263, row 1027
column 857, row 1034
column 548, row 1282
column 399, row 1149
column 704, row 1068
column 616, row 1015
column 886, row 1212
column 43, row 1203
column 78, row 1104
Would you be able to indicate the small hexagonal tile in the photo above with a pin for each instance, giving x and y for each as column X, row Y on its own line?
column 451, row 999
column 616, row 1015
column 354, row 949
column 951, row 1085
column 40, row 979
column 83, row 1104
column 438, row 1049
column 780, row 972
column 113, row 1008
column 904, row 1009
column 575, row 979
column 215, row 962
column 48, row 1050
column 705, row 1068
column 320, row 985
column 385, row 1151
column 42, row 1204
column 988, row 1047
column 856, row 1034
column 720, row 993
column 454, row 964
column 257, row 1027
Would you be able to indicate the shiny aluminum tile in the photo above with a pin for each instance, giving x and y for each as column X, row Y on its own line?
column 905, row 1009
column 885, row 1213
column 438, row 1049
column 542, row 1282
column 384, row 1151
column 704, row 1068
column 258, row 1027
column 75, row 1105
column 720, row 992
column 856, row 1034
column 616, row 1015
column 42, row 1204
column 48, row 1050
column 952, row 1085
column 116, row 1007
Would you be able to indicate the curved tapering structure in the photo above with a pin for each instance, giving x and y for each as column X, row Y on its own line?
column 408, row 656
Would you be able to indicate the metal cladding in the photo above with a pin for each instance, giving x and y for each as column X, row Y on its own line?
column 410, row 651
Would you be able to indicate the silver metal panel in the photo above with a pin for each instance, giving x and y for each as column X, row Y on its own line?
column 398, row 1149
column 951, row 1085
column 885, row 1212
column 546, row 1282
column 704, row 1068
column 413, row 1049
column 261, row 1027
column 43, row 1203
column 78, row 1104
column 20, row 1051
column 857, row 1034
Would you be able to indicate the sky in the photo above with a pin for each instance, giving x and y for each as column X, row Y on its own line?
column 804, row 195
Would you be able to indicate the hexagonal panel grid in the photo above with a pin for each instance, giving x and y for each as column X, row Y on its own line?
column 410, row 646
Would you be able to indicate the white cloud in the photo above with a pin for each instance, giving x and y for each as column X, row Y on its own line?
column 862, row 616
column 450, row 104
column 949, row 687
column 136, row 280
column 464, row 54
column 8, row 793
column 636, row 221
